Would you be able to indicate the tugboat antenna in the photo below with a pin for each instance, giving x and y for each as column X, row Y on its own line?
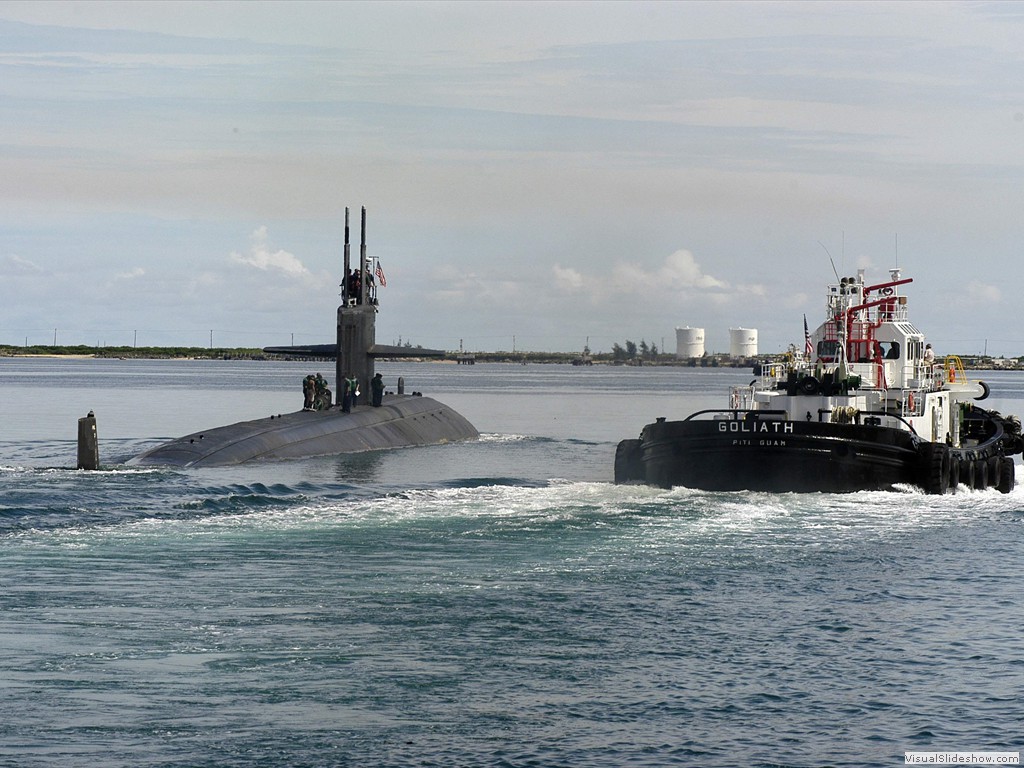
column 834, row 270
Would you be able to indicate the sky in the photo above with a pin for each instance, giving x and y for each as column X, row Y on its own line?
column 537, row 176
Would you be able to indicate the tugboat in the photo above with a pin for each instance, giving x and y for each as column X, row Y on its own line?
column 865, row 406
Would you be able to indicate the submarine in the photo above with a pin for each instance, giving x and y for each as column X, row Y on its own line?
column 400, row 421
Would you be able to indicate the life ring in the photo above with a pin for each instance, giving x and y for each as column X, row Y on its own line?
column 911, row 402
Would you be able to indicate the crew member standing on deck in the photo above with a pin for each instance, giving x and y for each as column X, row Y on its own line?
column 353, row 388
column 377, row 390
column 346, row 397
column 307, row 393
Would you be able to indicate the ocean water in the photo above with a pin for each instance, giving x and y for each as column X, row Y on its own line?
column 495, row 603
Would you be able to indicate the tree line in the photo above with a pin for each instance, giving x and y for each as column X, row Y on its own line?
column 631, row 351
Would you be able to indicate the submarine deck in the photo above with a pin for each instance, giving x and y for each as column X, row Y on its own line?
column 400, row 421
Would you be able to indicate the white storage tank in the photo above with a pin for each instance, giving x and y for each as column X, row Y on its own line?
column 743, row 342
column 689, row 343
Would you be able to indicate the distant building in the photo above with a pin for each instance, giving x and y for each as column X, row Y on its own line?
column 742, row 342
column 689, row 343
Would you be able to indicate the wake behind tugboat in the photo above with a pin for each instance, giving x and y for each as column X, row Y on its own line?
column 865, row 407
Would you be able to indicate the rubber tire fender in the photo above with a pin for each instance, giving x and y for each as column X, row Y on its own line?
column 954, row 473
column 981, row 474
column 1006, row 479
column 933, row 468
column 967, row 473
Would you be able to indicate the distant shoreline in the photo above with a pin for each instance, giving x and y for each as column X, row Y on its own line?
column 66, row 357
column 977, row 363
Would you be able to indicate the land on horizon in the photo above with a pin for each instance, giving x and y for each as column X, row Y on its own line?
column 711, row 360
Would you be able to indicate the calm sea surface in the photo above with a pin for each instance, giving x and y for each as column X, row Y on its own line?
column 495, row 603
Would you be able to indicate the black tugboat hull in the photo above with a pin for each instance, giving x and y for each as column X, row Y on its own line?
column 779, row 456
column 773, row 456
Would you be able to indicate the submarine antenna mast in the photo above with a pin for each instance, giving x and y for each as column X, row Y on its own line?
column 348, row 265
column 339, row 362
column 364, row 272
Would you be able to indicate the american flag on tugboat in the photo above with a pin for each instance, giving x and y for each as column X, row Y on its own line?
column 379, row 272
column 808, row 347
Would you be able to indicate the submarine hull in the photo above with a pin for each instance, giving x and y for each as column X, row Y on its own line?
column 401, row 421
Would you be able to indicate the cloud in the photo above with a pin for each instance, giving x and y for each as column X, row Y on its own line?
column 130, row 275
column 475, row 289
column 982, row 293
column 261, row 257
column 568, row 279
column 679, row 275
column 16, row 265
column 681, row 271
